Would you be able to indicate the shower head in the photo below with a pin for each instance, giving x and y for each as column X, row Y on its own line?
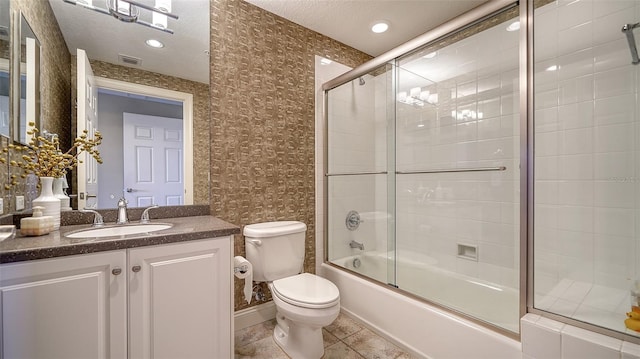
column 361, row 81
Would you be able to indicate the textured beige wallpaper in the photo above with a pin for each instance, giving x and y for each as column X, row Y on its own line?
column 55, row 80
column 263, row 118
column 201, row 112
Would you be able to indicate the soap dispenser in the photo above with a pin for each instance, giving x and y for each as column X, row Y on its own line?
column 37, row 224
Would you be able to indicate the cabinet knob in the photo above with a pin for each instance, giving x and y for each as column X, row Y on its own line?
column 136, row 268
column 116, row 271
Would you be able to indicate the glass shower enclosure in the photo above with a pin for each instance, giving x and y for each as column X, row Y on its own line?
column 436, row 188
column 422, row 172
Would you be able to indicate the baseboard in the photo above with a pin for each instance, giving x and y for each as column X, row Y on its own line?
column 255, row 315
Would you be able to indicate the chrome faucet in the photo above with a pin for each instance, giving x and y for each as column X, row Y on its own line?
column 97, row 219
column 122, row 211
column 354, row 244
column 145, row 214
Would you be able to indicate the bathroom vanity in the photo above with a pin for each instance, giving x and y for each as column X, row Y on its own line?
column 166, row 294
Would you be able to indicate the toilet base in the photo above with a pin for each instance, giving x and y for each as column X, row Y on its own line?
column 298, row 341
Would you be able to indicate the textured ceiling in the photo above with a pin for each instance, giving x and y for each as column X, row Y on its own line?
column 349, row 21
column 105, row 38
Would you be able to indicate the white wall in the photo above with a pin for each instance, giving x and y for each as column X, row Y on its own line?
column 587, row 160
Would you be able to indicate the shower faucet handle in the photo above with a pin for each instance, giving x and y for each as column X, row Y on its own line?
column 353, row 220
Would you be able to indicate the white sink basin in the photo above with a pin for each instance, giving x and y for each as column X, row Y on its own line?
column 118, row 230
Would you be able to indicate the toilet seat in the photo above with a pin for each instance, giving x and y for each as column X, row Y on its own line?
column 306, row 290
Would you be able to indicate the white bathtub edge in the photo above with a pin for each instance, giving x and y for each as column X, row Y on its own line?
column 423, row 329
column 383, row 333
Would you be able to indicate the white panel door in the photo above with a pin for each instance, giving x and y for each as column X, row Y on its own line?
column 69, row 307
column 153, row 170
column 180, row 300
column 87, row 102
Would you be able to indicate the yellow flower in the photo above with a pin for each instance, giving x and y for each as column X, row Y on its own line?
column 43, row 156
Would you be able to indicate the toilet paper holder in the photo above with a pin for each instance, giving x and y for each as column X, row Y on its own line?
column 241, row 269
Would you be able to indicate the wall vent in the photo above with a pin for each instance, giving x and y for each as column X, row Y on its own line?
column 129, row 60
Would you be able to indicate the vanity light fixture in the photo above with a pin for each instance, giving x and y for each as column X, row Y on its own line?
column 380, row 27
column 154, row 43
column 129, row 11
column 160, row 19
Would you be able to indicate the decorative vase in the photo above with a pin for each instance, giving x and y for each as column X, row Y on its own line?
column 58, row 192
column 48, row 201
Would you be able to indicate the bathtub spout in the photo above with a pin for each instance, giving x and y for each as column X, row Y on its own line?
column 354, row 244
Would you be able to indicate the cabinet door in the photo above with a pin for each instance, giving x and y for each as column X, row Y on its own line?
column 68, row 307
column 180, row 300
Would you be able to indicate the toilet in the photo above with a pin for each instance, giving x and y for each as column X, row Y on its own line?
column 304, row 302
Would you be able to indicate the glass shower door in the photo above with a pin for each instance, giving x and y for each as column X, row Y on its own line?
column 457, row 182
column 587, row 161
column 360, row 217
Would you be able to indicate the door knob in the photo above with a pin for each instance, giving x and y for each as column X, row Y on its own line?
column 130, row 190
column 116, row 271
column 136, row 268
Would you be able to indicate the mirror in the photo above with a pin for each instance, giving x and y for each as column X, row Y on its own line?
column 29, row 104
column 117, row 52
column 5, row 47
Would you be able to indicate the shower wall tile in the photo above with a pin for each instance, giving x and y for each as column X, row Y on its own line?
column 586, row 156
column 580, row 343
column 611, row 54
column 630, row 351
column 533, row 334
column 574, row 13
column 544, row 338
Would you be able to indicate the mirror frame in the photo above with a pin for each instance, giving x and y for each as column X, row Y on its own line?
column 31, row 66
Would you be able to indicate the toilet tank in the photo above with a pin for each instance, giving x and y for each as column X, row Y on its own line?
column 275, row 249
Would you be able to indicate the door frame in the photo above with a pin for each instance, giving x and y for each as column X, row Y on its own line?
column 187, row 120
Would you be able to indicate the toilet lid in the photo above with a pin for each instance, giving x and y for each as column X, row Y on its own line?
column 306, row 290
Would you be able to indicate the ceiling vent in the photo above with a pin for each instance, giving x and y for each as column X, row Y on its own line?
column 129, row 60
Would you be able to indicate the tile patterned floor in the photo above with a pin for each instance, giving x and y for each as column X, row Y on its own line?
column 343, row 339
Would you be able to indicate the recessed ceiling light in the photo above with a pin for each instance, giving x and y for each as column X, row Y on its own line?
column 430, row 55
column 514, row 26
column 380, row 27
column 154, row 43
column 324, row 61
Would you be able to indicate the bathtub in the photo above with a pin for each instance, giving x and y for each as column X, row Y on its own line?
column 423, row 329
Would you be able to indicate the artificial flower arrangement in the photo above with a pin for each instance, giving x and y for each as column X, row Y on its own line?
column 43, row 156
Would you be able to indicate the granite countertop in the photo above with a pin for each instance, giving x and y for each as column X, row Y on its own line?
column 55, row 244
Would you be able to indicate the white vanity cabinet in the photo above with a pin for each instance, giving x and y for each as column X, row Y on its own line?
column 163, row 301
column 180, row 300
column 68, row 307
